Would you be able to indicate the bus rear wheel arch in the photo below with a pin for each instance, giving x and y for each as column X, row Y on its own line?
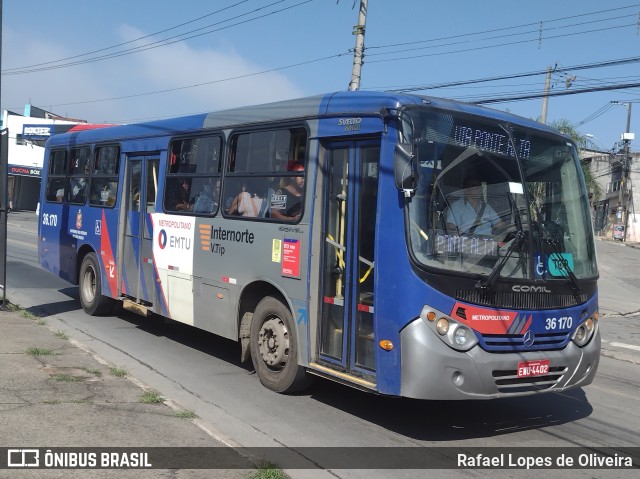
column 93, row 301
column 274, row 348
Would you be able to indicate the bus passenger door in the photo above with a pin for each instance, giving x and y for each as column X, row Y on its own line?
column 139, row 200
column 347, row 306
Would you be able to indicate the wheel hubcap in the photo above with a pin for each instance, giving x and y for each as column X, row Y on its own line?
column 89, row 284
column 273, row 343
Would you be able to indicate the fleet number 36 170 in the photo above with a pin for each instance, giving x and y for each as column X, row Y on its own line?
column 564, row 322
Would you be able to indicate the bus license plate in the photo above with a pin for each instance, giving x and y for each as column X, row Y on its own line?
column 527, row 369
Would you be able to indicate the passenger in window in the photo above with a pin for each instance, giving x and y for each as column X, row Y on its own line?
column 246, row 203
column 78, row 191
column 471, row 215
column 286, row 203
column 180, row 198
column 60, row 195
column 207, row 200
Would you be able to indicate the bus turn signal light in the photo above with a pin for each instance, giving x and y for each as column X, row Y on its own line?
column 386, row 345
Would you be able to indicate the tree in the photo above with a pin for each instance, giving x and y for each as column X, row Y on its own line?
column 593, row 187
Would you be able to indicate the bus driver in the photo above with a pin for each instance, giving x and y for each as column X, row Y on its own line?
column 470, row 214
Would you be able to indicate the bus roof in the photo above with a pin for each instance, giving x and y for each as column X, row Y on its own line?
column 332, row 104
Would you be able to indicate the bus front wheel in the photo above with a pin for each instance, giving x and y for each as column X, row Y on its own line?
column 90, row 285
column 274, row 348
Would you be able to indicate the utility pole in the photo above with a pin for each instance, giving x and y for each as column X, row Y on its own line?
column 545, row 98
column 626, row 165
column 358, row 52
column 4, row 194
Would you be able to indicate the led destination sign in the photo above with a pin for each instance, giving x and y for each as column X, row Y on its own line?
column 485, row 140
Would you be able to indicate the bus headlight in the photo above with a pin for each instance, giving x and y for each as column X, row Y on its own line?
column 583, row 333
column 442, row 326
column 454, row 334
column 462, row 335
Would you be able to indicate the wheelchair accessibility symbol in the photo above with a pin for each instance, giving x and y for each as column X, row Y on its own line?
column 541, row 268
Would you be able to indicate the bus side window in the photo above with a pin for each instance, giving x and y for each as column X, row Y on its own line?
column 192, row 183
column 270, row 166
column 104, row 179
column 56, row 176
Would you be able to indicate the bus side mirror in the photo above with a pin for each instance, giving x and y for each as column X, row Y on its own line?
column 404, row 169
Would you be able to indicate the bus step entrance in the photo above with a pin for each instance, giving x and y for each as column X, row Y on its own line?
column 135, row 307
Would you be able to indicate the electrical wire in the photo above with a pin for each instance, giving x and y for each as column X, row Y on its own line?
column 159, row 43
column 505, row 28
column 8, row 70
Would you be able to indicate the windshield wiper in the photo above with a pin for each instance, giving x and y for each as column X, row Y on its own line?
column 571, row 277
column 491, row 279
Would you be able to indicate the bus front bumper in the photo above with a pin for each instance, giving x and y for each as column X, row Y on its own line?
column 432, row 370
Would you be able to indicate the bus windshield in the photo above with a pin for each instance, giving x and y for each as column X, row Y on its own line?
column 493, row 196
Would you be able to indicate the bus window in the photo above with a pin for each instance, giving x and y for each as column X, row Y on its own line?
column 79, row 167
column 104, row 180
column 265, row 175
column 57, row 172
column 193, row 178
column 152, row 185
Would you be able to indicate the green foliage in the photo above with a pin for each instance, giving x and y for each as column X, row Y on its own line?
column 268, row 470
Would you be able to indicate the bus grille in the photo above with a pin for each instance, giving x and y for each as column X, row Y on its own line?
column 518, row 300
column 508, row 382
column 510, row 343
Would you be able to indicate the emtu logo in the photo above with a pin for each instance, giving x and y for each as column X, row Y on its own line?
column 162, row 239
column 205, row 237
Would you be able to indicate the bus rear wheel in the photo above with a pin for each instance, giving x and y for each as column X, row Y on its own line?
column 274, row 348
column 90, row 285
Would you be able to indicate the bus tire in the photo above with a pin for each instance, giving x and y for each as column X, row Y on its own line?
column 274, row 348
column 90, row 288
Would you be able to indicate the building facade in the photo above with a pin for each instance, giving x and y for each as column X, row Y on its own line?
column 27, row 134
column 616, row 213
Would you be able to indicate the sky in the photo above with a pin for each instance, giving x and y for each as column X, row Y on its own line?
column 125, row 61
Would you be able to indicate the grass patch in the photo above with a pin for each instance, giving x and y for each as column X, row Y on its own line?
column 94, row 371
column 61, row 335
column 29, row 315
column 185, row 414
column 119, row 371
column 67, row 378
column 41, row 322
column 152, row 397
column 268, row 470
column 12, row 307
column 39, row 352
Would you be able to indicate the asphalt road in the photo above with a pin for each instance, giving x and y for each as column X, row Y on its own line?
column 202, row 372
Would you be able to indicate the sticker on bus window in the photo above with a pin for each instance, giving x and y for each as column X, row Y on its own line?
column 559, row 264
column 291, row 257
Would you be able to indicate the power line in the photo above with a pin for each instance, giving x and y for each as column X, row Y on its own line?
column 8, row 70
column 617, row 27
column 558, row 93
column 163, row 43
column 504, row 28
column 564, row 27
column 585, row 66
column 196, row 85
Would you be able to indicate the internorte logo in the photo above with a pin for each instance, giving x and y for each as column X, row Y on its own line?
column 210, row 237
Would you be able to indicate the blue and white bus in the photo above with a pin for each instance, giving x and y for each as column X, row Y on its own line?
column 326, row 235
